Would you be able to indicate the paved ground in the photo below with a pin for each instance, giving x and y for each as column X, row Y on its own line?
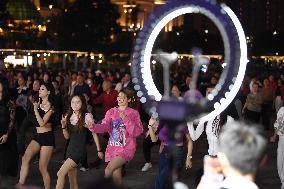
column 266, row 179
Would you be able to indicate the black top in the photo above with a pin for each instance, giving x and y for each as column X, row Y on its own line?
column 17, row 93
column 77, row 146
column 42, row 113
column 77, row 136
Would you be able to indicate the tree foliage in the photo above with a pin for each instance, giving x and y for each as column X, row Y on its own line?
column 3, row 14
column 85, row 25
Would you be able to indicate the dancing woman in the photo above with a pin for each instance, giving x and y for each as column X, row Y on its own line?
column 75, row 128
column 43, row 141
column 124, row 126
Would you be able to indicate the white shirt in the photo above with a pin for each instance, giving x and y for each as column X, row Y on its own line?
column 238, row 183
column 279, row 123
column 118, row 87
column 72, row 87
column 125, row 84
column 211, row 137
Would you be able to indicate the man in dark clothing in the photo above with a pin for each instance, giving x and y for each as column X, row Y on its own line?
column 127, row 83
column 82, row 87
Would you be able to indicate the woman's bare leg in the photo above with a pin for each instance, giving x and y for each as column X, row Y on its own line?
column 32, row 149
column 113, row 165
column 117, row 176
column 45, row 155
column 72, row 174
column 68, row 165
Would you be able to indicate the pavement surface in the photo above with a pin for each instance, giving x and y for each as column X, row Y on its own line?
column 267, row 177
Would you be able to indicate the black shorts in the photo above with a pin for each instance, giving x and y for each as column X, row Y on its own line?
column 45, row 139
column 77, row 159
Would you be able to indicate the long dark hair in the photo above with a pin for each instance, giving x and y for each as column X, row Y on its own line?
column 51, row 90
column 81, row 122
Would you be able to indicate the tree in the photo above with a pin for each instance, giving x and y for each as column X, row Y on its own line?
column 3, row 21
column 3, row 14
column 86, row 25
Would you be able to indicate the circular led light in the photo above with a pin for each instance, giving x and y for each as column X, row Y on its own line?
column 234, row 44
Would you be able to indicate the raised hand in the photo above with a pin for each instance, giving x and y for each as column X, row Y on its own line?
column 64, row 121
column 3, row 139
column 36, row 105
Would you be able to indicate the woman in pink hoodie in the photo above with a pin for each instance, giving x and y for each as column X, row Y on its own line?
column 123, row 125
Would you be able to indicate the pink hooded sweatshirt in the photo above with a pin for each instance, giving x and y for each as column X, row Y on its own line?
column 123, row 133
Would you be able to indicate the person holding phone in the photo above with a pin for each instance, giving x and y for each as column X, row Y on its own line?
column 237, row 166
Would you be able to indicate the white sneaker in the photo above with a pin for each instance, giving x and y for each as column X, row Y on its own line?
column 146, row 167
column 83, row 169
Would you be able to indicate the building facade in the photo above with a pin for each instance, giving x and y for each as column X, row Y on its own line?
column 134, row 13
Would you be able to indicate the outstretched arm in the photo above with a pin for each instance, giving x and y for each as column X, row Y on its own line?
column 105, row 126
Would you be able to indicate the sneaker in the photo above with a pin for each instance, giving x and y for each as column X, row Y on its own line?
column 83, row 169
column 146, row 167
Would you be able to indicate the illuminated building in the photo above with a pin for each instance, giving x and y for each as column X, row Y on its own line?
column 134, row 13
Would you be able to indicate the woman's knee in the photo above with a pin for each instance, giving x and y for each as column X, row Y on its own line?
column 42, row 168
column 26, row 159
column 117, row 173
column 60, row 174
column 108, row 171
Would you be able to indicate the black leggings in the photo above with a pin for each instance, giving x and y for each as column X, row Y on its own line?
column 147, row 146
